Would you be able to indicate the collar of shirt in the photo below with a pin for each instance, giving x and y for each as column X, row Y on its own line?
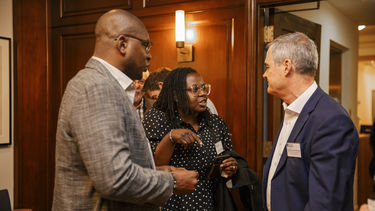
column 125, row 82
column 201, row 121
column 297, row 105
column 140, row 105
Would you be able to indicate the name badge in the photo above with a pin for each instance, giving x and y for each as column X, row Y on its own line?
column 219, row 147
column 293, row 150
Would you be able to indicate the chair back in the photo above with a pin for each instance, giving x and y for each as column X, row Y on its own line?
column 4, row 200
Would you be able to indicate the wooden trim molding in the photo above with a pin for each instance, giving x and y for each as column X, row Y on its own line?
column 85, row 7
column 271, row 3
column 366, row 58
column 153, row 3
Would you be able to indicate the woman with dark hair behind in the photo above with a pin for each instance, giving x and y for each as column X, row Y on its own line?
column 183, row 133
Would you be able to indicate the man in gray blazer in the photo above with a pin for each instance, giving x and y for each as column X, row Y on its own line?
column 103, row 158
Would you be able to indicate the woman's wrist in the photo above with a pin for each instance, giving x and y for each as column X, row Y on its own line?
column 173, row 142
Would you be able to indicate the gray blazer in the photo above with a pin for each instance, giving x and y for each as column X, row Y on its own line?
column 102, row 154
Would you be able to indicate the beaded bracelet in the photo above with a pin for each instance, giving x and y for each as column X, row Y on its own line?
column 170, row 138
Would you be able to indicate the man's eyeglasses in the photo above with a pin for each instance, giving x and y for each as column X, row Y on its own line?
column 196, row 89
column 146, row 43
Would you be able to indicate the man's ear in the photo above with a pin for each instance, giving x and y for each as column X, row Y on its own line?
column 122, row 44
column 288, row 66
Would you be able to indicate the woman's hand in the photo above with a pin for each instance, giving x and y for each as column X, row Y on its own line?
column 165, row 148
column 229, row 167
column 185, row 137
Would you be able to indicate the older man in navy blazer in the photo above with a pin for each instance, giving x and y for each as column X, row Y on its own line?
column 312, row 162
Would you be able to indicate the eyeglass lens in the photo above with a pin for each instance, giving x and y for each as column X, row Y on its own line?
column 205, row 87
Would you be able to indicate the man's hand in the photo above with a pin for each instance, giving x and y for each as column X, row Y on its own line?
column 364, row 207
column 185, row 180
column 165, row 168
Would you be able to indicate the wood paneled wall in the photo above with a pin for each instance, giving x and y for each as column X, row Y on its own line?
column 33, row 153
column 216, row 58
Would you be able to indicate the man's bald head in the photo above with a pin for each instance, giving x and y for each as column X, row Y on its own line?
column 123, row 41
column 116, row 22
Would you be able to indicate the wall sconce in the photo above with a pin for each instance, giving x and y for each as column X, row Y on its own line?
column 180, row 28
column 184, row 52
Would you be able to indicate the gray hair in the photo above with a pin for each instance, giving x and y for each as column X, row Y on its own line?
column 297, row 47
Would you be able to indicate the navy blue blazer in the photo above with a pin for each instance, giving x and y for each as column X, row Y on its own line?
column 322, row 179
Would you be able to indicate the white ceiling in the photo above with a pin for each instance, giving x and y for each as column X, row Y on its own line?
column 361, row 11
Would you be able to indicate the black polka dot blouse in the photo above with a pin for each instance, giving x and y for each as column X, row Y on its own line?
column 193, row 158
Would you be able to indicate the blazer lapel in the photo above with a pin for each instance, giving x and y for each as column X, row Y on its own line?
column 298, row 126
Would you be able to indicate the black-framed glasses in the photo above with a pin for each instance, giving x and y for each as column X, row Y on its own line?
column 196, row 89
column 146, row 43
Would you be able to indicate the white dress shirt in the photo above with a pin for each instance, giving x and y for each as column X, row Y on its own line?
column 125, row 82
column 211, row 106
column 291, row 114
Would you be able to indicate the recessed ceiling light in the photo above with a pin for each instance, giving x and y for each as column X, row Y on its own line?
column 360, row 27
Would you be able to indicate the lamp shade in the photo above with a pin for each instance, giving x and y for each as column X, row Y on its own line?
column 180, row 26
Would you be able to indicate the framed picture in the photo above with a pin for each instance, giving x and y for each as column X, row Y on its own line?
column 5, row 91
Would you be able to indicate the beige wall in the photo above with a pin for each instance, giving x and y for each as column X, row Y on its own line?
column 366, row 83
column 366, row 75
column 6, row 152
column 339, row 28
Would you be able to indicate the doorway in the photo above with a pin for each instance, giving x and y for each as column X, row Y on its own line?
column 335, row 70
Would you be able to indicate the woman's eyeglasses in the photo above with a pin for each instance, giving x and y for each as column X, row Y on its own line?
column 196, row 89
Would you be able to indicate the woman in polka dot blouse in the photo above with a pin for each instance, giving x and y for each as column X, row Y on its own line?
column 183, row 133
